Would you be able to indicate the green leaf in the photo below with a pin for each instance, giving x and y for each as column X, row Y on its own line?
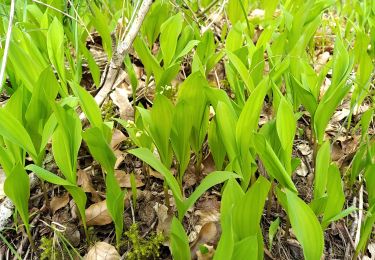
column 160, row 129
column 115, row 203
column 242, row 70
column 189, row 46
column 272, row 163
column 55, row 48
column 179, row 241
column 235, row 12
column 272, row 231
column 66, row 141
column 47, row 175
column 17, row 188
column 216, row 145
column 256, row 197
column 88, row 105
column 309, row 235
column 247, row 248
column 99, row 148
column 249, row 117
column 336, row 196
column 323, row 159
column 285, row 124
column 13, row 130
column 100, row 22
column 169, row 32
column 226, row 120
column 209, row 181
column 147, row 156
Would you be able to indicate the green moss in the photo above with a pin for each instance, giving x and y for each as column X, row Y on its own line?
column 143, row 248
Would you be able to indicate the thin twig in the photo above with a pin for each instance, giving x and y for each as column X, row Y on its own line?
column 7, row 43
column 360, row 215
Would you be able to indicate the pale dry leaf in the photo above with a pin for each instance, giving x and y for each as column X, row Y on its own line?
column 324, row 87
column 302, row 170
column 97, row 214
column 120, row 156
column 2, row 180
column 102, row 251
column 117, row 138
column 123, row 179
column 209, row 233
column 84, row 180
column 121, row 100
column 59, row 202
column 340, row 115
column 321, row 61
column 164, row 219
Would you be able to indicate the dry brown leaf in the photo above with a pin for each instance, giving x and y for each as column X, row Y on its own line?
column 97, row 214
column 209, row 233
column 120, row 98
column 120, row 156
column 164, row 219
column 117, row 138
column 123, row 179
column 102, row 251
column 156, row 174
column 84, row 180
column 59, row 202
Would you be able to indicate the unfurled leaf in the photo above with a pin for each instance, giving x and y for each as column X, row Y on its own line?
column 169, row 32
column 272, row 231
column 300, row 214
column 285, row 124
column 179, row 241
column 323, row 159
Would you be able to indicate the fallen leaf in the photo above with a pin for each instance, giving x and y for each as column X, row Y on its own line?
column 123, row 179
column 84, row 180
column 117, row 138
column 2, row 180
column 164, row 219
column 120, row 156
column 121, row 100
column 321, row 60
column 59, row 202
column 97, row 214
column 102, row 251
column 302, row 170
column 208, row 234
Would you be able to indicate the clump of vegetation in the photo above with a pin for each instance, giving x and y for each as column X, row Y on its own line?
column 142, row 248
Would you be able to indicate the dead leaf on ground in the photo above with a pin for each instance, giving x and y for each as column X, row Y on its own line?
column 164, row 220
column 97, row 214
column 2, row 180
column 209, row 233
column 321, row 61
column 121, row 100
column 84, row 180
column 101, row 251
column 123, row 179
column 120, row 156
column 59, row 202
column 117, row 138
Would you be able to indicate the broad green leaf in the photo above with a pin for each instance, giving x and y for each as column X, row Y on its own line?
column 100, row 22
column 88, row 105
column 336, row 196
column 342, row 65
column 169, row 32
column 47, row 175
column 366, row 229
column 242, row 70
column 272, row 231
column 55, row 47
column 180, row 135
column 323, row 159
column 370, row 183
column 115, row 203
column 309, row 235
column 247, row 248
column 190, row 45
column 285, row 124
column 235, row 12
column 161, row 126
column 226, row 120
column 79, row 197
column 147, row 156
column 272, row 163
column 179, row 241
column 17, row 188
column 249, row 117
column 209, row 181
column 256, row 197
column 13, row 130
column 99, row 148
column 216, row 145
column 6, row 160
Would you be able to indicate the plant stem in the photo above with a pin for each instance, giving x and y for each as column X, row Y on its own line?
column 270, row 199
column 197, row 167
column 287, row 227
column 166, row 195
